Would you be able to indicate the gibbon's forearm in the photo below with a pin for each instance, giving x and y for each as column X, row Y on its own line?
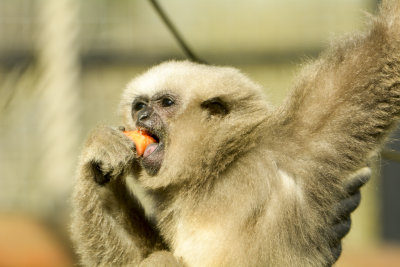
column 344, row 104
column 110, row 227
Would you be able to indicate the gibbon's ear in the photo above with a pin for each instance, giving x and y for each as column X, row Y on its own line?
column 215, row 106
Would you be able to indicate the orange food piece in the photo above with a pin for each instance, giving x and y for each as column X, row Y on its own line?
column 141, row 140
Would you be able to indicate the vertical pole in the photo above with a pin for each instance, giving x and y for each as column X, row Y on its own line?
column 60, row 109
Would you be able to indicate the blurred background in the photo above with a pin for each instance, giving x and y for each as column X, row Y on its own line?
column 64, row 63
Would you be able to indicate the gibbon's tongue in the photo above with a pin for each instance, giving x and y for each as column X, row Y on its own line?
column 150, row 149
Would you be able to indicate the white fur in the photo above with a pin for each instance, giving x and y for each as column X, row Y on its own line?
column 199, row 245
column 145, row 199
column 290, row 186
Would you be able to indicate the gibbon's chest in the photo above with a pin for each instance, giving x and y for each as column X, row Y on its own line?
column 212, row 235
column 200, row 245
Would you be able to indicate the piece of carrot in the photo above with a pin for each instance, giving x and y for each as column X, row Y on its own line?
column 141, row 140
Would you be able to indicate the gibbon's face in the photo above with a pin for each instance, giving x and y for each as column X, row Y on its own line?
column 188, row 108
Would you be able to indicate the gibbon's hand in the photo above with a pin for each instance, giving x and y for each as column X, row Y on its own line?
column 345, row 207
column 109, row 154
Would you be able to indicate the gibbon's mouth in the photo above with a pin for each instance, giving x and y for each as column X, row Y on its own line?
column 154, row 153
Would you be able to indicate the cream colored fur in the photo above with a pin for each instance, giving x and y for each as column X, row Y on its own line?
column 255, row 187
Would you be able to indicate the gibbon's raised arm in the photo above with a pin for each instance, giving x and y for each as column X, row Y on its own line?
column 344, row 104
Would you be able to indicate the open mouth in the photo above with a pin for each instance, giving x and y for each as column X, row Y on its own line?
column 152, row 147
column 154, row 153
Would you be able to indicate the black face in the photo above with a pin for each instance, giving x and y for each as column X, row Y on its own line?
column 150, row 115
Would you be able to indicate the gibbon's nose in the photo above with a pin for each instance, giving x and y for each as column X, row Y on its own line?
column 144, row 115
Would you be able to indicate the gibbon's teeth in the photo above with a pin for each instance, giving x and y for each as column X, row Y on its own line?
column 150, row 149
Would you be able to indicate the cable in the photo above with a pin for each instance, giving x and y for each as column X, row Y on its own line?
column 189, row 53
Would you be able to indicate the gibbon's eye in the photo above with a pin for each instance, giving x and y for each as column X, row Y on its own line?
column 215, row 106
column 167, row 102
column 139, row 106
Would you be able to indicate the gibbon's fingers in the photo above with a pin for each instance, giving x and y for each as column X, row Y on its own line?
column 348, row 205
column 361, row 178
